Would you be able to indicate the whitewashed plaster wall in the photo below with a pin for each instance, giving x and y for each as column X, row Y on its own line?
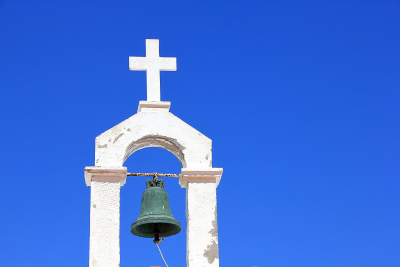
column 105, row 185
column 154, row 126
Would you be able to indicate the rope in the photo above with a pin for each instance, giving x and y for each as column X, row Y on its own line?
column 162, row 255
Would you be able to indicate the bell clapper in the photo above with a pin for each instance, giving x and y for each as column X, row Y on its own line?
column 156, row 238
column 156, row 234
column 157, row 241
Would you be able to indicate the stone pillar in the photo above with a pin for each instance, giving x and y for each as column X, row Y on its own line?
column 201, row 216
column 105, row 183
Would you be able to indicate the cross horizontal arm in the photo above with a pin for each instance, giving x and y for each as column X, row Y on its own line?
column 167, row 63
column 138, row 63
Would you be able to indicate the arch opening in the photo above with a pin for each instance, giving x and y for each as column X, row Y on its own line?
column 150, row 160
column 166, row 143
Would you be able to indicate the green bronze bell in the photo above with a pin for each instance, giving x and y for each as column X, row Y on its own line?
column 155, row 218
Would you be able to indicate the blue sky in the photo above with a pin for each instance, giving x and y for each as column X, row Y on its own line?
column 300, row 98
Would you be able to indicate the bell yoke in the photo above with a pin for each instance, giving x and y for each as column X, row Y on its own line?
column 155, row 218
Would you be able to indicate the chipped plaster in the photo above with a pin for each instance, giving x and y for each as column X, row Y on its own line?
column 154, row 126
column 162, row 129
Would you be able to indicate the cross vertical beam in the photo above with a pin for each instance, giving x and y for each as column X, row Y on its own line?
column 153, row 64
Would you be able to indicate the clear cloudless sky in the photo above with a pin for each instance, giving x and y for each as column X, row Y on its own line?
column 300, row 98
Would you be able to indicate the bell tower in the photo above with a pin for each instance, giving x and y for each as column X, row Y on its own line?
column 153, row 126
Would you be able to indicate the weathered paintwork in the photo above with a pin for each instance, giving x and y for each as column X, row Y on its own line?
column 153, row 126
column 155, row 213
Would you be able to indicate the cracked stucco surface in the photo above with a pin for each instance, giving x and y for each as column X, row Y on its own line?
column 193, row 149
column 153, row 129
column 202, row 229
column 104, row 222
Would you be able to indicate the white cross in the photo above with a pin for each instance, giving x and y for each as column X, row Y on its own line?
column 153, row 64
